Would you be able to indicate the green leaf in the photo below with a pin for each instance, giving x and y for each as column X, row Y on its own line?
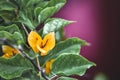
column 29, row 75
column 29, row 3
column 48, row 8
column 60, row 35
column 37, row 11
column 41, row 3
column 5, row 34
column 20, row 3
column 54, row 24
column 18, row 38
column 71, row 64
column 12, row 28
column 66, row 78
column 14, row 67
column 6, row 5
column 45, row 13
column 69, row 46
column 8, row 16
column 25, row 20
column 57, row 3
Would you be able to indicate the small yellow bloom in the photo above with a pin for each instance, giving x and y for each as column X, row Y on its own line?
column 48, row 66
column 9, row 51
column 41, row 45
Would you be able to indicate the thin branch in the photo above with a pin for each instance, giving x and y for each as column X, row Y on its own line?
column 38, row 64
column 54, row 77
column 24, row 29
column 38, row 68
column 23, row 26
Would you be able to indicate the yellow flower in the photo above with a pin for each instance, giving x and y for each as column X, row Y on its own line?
column 41, row 45
column 48, row 66
column 9, row 51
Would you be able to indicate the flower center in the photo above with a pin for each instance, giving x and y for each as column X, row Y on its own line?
column 43, row 44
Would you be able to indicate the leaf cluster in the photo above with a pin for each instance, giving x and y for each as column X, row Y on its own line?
column 17, row 19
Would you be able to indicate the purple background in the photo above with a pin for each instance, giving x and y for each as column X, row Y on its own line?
column 97, row 23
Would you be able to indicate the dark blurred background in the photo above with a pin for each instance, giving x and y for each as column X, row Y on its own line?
column 97, row 21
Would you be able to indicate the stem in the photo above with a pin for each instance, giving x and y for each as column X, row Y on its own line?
column 54, row 77
column 38, row 63
column 38, row 68
column 24, row 29
column 23, row 26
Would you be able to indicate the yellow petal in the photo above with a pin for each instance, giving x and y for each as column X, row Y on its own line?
column 40, row 49
column 33, row 39
column 6, row 55
column 48, row 66
column 48, row 43
column 8, row 51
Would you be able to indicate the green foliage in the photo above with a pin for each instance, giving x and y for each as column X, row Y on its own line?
column 25, row 20
column 6, row 5
column 17, row 19
column 45, row 13
column 70, row 64
column 28, row 75
column 11, row 29
column 18, row 38
column 14, row 67
column 66, row 78
column 15, row 38
column 54, row 24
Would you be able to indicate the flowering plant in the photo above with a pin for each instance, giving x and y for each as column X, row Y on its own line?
column 32, row 43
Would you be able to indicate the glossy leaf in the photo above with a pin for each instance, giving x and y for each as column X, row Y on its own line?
column 66, row 78
column 46, row 13
column 54, row 24
column 14, row 67
column 69, row 46
column 71, row 64
column 5, row 34
column 57, row 3
column 37, row 11
column 50, row 9
column 60, row 35
column 25, row 20
column 28, row 75
column 18, row 38
column 15, row 32
column 6, row 5
column 8, row 16
column 12, row 28
column 29, row 3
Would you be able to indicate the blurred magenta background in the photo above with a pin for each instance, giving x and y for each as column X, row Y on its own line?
column 97, row 23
